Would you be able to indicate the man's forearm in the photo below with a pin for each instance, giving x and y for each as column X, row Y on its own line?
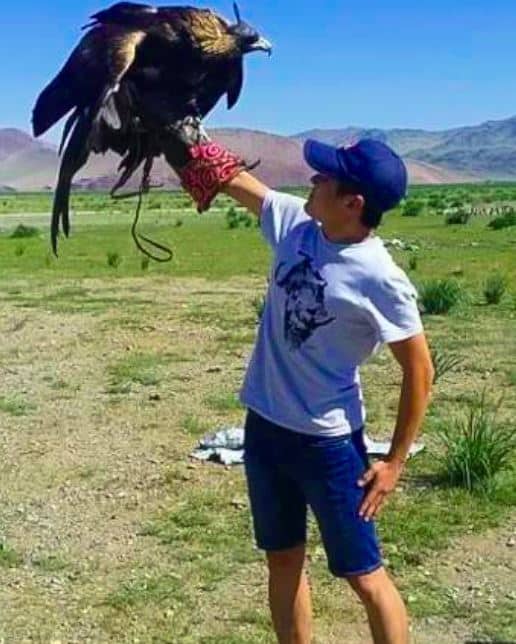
column 413, row 403
column 248, row 191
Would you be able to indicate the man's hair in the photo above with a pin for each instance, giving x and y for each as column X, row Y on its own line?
column 370, row 217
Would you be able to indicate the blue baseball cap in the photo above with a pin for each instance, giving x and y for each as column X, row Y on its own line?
column 370, row 166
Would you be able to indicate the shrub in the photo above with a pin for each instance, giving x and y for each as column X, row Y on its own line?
column 440, row 296
column 477, row 446
column 458, row 216
column 412, row 208
column 443, row 361
column 178, row 223
column 234, row 218
column 413, row 259
column 24, row 232
column 436, row 202
column 494, row 288
column 113, row 259
column 503, row 221
column 19, row 250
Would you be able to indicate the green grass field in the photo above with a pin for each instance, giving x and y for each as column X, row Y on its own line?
column 112, row 371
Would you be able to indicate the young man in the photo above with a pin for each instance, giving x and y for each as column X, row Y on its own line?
column 335, row 296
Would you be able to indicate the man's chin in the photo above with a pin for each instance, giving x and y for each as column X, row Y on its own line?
column 309, row 210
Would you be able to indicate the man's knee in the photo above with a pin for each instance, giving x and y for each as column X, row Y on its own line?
column 369, row 587
column 290, row 559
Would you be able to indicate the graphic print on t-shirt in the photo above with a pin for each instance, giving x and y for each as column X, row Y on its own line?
column 305, row 310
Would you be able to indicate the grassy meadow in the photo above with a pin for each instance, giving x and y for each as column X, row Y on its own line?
column 112, row 368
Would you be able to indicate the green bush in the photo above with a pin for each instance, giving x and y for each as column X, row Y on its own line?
column 24, row 232
column 235, row 218
column 232, row 218
column 412, row 208
column 477, row 446
column 436, row 202
column 503, row 221
column 458, row 216
column 440, row 296
column 494, row 288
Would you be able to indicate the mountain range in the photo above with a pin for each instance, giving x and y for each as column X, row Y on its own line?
column 475, row 153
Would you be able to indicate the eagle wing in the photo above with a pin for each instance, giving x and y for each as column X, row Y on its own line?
column 90, row 75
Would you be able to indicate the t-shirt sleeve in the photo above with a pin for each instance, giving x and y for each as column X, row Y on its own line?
column 281, row 213
column 392, row 307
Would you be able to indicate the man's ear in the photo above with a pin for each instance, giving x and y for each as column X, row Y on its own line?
column 356, row 202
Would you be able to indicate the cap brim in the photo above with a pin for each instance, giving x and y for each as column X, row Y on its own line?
column 322, row 157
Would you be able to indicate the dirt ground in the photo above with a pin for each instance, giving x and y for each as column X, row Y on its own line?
column 83, row 468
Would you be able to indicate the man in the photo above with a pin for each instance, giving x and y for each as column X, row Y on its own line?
column 335, row 296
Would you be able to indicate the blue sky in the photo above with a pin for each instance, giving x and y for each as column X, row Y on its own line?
column 383, row 63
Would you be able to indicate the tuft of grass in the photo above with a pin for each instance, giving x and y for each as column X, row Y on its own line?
column 15, row 406
column 224, row 402
column 9, row 558
column 113, row 259
column 477, row 446
column 138, row 368
column 258, row 304
column 194, row 426
column 440, row 296
column 494, row 288
column 145, row 261
column 413, row 261
column 19, row 250
column 443, row 361
column 168, row 589
column 50, row 563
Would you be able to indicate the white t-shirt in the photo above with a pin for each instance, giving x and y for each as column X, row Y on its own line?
column 329, row 307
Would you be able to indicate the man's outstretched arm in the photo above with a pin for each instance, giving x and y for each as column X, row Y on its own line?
column 248, row 191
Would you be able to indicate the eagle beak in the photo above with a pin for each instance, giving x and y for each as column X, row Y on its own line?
column 261, row 45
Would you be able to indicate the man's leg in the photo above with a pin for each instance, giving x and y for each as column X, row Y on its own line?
column 289, row 596
column 385, row 608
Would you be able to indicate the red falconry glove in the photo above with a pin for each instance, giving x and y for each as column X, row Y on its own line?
column 211, row 166
column 203, row 166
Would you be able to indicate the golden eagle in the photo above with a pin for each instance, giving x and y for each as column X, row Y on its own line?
column 137, row 71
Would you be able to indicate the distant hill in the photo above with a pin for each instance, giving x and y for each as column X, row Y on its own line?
column 486, row 151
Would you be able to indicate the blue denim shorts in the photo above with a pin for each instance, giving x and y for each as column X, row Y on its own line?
column 288, row 471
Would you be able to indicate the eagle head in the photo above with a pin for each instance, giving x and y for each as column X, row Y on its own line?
column 247, row 37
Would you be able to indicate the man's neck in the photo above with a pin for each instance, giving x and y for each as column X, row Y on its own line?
column 348, row 235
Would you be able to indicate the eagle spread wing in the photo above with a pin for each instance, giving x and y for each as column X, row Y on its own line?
column 137, row 70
